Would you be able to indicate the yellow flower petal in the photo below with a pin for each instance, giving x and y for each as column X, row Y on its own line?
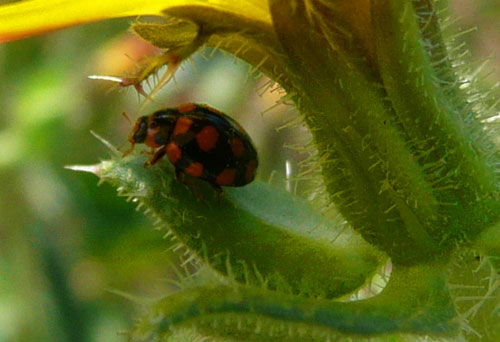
column 28, row 18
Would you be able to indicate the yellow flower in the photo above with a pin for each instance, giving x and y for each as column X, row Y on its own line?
column 28, row 18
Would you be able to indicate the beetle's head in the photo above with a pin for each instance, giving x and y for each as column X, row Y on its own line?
column 140, row 131
column 138, row 134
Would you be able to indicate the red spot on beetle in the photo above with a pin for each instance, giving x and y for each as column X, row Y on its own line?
column 226, row 177
column 238, row 147
column 187, row 107
column 250, row 170
column 194, row 169
column 207, row 138
column 173, row 152
column 182, row 126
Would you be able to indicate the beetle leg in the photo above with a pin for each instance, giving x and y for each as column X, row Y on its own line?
column 189, row 183
column 180, row 179
column 218, row 192
column 178, row 175
column 156, row 156
column 126, row 153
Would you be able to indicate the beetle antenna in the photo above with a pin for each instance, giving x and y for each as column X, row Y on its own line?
column 126, row 141
column 127, row 117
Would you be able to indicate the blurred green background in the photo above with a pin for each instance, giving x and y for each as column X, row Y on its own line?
column 68, row 246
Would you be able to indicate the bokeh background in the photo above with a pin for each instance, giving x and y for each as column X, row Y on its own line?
column 75, row 259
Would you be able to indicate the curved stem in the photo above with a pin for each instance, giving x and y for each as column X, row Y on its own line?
column 414, row 301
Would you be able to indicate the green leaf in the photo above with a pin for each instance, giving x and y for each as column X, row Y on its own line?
column 173, row 35
column 474, row 283
column 257, row 234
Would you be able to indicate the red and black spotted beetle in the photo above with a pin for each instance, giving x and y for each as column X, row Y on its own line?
column 199, row 141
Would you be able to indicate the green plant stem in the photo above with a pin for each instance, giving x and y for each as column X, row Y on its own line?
column 410, row 174
column 405, row 305
column 453, row 159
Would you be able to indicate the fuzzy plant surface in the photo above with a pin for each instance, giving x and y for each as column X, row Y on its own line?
column 406, row 148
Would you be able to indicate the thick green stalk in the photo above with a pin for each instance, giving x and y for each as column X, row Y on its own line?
column 371, row 174
column 446, row 140
column 403, row 307
column 408, row 173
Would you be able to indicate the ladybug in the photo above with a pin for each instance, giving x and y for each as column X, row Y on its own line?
column 199, row 141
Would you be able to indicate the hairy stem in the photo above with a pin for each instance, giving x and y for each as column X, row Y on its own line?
column 405, row 305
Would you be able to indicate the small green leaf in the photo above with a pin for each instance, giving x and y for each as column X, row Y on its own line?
column 172, row 35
